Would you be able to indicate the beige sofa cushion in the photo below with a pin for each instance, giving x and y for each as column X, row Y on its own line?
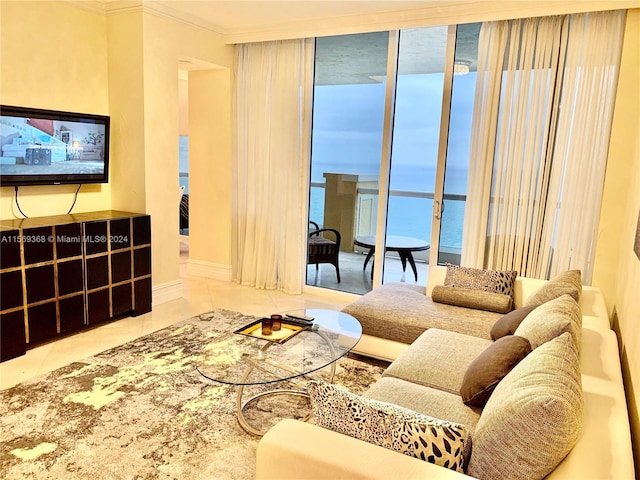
column 569, row 282
column 438, row 359
column 534, row 417
column 411, row 433
column 430, row 401
column 470, row 298
column 550, row 320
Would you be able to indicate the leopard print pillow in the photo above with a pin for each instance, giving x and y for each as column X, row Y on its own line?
column 495, row 281
column 390, row 426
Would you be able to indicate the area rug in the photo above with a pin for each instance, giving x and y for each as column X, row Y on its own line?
column 142, row 411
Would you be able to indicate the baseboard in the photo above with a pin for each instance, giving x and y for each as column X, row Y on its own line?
column 166, row 292
column 216, row 271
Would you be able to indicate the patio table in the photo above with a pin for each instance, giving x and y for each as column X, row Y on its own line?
column 404, row 246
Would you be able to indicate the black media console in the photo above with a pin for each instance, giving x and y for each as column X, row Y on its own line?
column 66, row 273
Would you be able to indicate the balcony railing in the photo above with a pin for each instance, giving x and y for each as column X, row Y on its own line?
column 405, row 217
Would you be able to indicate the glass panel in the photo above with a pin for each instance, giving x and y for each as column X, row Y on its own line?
column 183, row 159
column 348, row 110
column 457, row 167
column 414, row 157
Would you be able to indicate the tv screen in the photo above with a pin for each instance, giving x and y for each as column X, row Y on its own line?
column 47, row 147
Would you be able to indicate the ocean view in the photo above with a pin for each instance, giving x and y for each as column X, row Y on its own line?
column 410, row 216
column 347, row 138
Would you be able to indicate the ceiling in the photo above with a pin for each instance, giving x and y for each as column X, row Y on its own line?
column 362, row 58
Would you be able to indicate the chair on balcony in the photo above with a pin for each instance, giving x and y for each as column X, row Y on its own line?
column 321, row 249
column 184, row 212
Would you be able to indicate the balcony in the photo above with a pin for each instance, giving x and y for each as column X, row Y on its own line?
column 356, row 280
column 349, row 203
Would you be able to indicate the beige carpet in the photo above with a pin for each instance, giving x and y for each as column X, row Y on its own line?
column 141, row 411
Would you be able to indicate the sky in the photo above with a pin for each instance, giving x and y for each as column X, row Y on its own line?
column 348, row 122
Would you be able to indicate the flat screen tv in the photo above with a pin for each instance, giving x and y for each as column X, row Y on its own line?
column 47, row 147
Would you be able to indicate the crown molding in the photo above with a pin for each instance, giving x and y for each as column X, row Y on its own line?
column 116, row 7
column 438, row 13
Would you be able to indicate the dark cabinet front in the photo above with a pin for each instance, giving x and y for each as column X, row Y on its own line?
column 65, row 273
column 12, row 326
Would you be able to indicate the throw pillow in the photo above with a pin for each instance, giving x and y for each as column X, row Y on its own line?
column 491, row 366
column 533, row 418
column 390, row 426
column 469, row 298
column 569, row 282
column 507, row 324
column 477, row 279
column 552, row 319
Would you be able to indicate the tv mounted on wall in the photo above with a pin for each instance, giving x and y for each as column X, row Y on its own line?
column 47, row 147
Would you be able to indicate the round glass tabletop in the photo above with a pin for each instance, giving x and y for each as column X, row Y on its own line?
column 246, row 357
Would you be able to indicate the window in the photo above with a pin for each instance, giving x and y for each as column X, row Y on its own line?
column 183, row 160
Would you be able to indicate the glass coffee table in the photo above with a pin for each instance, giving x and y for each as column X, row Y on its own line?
column 245, row 357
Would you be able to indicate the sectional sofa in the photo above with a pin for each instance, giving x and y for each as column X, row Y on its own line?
column 554, row 405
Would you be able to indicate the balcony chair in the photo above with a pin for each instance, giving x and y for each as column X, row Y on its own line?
column 184, row 213
column 321, row 249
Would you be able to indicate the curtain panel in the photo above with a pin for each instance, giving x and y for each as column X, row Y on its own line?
column 273, row 81
column 544, row 100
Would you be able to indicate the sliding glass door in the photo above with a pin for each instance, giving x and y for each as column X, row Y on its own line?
column 456, row 175
column 379, row 171
column 348, row 114
column 414, row 152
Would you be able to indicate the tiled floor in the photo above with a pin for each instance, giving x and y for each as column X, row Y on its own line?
column 354, row 279
column 200, row 295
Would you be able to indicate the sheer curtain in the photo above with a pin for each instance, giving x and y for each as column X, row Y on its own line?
column 272, row 84
column 543, row 107
column 583, row 129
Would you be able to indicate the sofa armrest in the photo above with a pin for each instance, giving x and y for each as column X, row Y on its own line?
column 298, row 450
column 437, row 275
column 592, row 303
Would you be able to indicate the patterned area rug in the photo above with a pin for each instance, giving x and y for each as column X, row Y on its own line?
column 142, row 411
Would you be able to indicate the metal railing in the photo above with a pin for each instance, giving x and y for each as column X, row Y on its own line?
column 373, row 192
column 408, row 193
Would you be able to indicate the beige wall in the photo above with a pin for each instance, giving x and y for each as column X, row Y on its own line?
column 144, row 54
column 210, row 173
column 165, row 42
column 183, row 102
column 617, row 268
column 626, row 300
column 126, row 94
column 53, row 56
column 58, row 56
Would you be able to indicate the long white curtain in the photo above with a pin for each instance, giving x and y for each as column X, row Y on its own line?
column 583, row 129
column 272, row 84
column 543, row 107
